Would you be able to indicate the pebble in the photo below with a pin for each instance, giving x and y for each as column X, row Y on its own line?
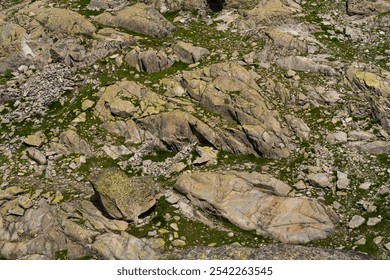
column 365, row 186
column 179, row 243
column 373, row 221
column 174, row 226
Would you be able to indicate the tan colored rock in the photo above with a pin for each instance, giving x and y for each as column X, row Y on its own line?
column 188, row 53
column 139, row 18
column 119, row 99
column 150, row 61
column 123, row 197
column 36, row 155
column 111, row 246
column 288, row 219
column 72, row 140
column 64, row 21
column 367, row 7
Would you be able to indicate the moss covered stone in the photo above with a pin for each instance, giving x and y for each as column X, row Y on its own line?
column 124, row 197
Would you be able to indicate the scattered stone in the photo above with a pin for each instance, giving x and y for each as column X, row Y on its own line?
column 337, row 138
column 207, row 156
column 365, row 186
column 34, row 140
column 356, row 222
column 342, row 180
column 36, row 155
column 320, row 180
column 179, row 243
column 174, row 226
column 373, row 221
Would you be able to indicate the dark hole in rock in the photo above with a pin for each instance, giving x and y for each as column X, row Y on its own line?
column 216, row 5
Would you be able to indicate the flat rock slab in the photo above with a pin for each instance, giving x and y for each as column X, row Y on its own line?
column 247, row 200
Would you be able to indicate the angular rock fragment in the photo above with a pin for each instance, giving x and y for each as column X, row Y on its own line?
column 188, row 53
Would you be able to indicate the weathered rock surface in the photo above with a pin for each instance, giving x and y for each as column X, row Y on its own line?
column 301, row 63
column 150, row 61
column 112, row 246
column 231, row 90
column 63, row 20
column 367, row 7
column 242, row 199
column 74, row 143
column 123, row 197
column 188, row 53
column 139, row 18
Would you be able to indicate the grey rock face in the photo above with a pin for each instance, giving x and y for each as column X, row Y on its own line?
column 242, row 200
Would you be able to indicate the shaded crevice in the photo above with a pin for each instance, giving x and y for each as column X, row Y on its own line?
column 216, row 5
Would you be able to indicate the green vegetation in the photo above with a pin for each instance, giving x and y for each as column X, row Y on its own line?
column 5, row 77
column 194, row 232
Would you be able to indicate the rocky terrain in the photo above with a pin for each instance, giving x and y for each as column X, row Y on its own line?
column 227, row 129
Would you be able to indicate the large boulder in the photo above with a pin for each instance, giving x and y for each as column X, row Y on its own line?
column 375, row 83
column 150, row 61
column 306, row 64
column 188, row 53
column 13, row 47
column 139, row 18
column 253, row 202
column 367, row 7
column 123, row 197
column 64, row 21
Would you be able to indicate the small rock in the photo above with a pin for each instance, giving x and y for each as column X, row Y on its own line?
column 25, row 202
column 373, row 221
column 356, row 222
column 387, row 246
column 320, row 180
column 181, row 243
column 365, row 186
column 378, row 240
column 342, row 180
column 34, row 140
column 336, row 205
column 87, row 104
column 361, row 241
column 58, row 198
column 300, row 185
column 174, row 226
column 36, row 155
